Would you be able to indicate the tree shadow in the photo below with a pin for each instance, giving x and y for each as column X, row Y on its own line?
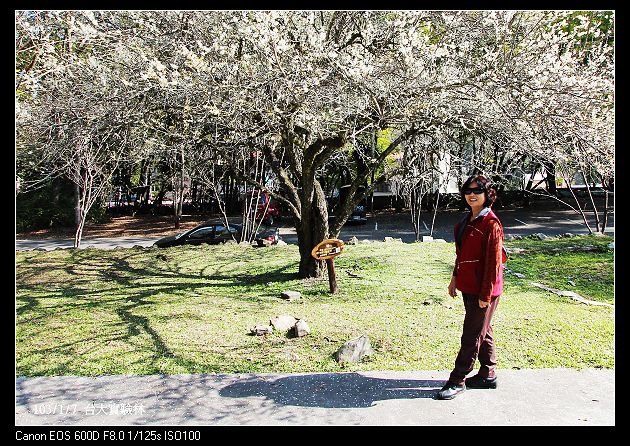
column 332, row 390
column 130, row 287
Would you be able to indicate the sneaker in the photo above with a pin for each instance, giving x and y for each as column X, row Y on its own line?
column 477, row 382
column 450, row 391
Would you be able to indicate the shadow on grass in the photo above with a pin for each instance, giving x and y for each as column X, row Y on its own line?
column 122, row 285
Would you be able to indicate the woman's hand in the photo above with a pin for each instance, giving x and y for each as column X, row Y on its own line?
column 452, row 287
column 483, row 303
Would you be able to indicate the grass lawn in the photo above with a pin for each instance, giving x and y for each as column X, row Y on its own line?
column 189, row 309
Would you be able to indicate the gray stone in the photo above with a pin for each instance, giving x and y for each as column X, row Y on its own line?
column 611, row 245
column 260, row 330
column 282, row 323
column 281, row 243
column 427, row 238
column 291, row 295
column 354, row 350
column 519, row 275
column 353, row 240
column 301, row 329
column 571, row 295
column 568, row 234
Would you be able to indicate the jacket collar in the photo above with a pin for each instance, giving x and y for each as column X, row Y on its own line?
column 485, row 211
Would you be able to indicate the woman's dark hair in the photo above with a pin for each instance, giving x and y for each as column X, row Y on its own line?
column 483, row 182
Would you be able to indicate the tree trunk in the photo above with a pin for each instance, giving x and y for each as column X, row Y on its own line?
column 77, row 206
column 311, row 230
column 590, row 195
column 79, row 233
column 605, row 217
column 178, row 199
column 550, row 177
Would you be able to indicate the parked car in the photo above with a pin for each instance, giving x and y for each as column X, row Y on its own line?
column 268, row 236
column 267, row 209
column 359, row 213
column 214, row 232
column 358, row 216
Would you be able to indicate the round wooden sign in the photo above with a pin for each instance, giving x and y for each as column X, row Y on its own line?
column 327, row 249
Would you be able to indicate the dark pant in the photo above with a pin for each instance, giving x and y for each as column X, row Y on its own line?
column 477, row 341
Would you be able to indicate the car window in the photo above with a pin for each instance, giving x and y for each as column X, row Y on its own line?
column 226, row 231
column 205, row 232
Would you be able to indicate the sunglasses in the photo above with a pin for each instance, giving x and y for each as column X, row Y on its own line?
column 476, row 191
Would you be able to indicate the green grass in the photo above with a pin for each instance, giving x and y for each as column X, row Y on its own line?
column 189, row 309
column 582, row 264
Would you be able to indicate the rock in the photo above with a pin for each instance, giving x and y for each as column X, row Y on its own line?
column 427, row 238
column 282, row 323
column 427, row 302
column 289, row 356
column 354, row 350
column 281, row 243
column 571, row 295
column 300, row 328
column 353, row 240
column 568, row 234
column 291, row 295
column 570, row 282
column 439, row 240
column 611, row 245
column 260, row 330
column 519, row 275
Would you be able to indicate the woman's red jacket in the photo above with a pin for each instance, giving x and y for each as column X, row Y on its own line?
column 480, row 255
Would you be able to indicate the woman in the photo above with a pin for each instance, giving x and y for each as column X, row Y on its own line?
column 478, row 274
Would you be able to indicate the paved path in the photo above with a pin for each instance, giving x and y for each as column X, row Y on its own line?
column 552, row 221
column 533, row 397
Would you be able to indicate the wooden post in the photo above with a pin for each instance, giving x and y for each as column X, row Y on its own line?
column 332, row 278
column 328, row 250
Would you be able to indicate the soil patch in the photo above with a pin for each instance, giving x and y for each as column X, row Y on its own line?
column 124, row 226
